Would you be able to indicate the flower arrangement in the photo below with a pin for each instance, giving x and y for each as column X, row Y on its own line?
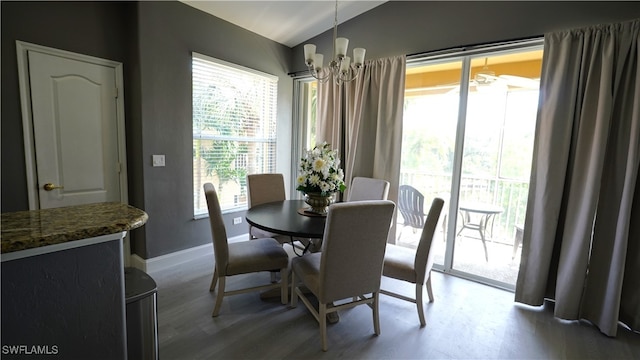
column 320, row 171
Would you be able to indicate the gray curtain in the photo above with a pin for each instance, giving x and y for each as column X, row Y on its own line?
column 581, row 244
column 363, row 120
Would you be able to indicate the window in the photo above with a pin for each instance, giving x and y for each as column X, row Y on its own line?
column 234, row 129
column 304, row 123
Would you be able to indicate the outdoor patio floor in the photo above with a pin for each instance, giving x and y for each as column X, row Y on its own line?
column 469, row 255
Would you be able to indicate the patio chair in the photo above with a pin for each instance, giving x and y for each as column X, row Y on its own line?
column 411, row 207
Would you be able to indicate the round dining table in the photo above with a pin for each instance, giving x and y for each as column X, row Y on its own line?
column 287, row 217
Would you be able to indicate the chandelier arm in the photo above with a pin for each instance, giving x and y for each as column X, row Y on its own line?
column 317, row 75
column 353, row 72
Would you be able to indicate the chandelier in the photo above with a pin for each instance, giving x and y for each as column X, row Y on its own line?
column 340, row 67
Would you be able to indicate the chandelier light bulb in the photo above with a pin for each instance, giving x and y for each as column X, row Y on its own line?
column 341, row 47
column 309, row 53
column 318, row 62
column 358, row 56
column 344, row 65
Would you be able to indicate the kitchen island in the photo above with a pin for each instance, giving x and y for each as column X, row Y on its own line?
column 63, row 280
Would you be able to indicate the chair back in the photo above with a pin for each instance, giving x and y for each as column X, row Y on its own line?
column 218, row 231
column 424, row 255
column 353, row 248
column 411, row 206
column 363, row 188
column 265, row 188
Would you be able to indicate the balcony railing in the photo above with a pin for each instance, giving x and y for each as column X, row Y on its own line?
column 507, row 193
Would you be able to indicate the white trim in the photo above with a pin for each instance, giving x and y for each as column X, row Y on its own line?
column 167, row 261
column 62, row 246
column 234, row 67
column 27, row 124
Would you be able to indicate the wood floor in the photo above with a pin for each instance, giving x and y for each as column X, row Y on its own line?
column 467, row 321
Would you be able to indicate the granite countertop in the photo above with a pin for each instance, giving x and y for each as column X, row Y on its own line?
column 24, row 230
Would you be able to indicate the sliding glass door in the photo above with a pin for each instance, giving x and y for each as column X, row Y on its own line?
column 468, row 133
column 431, row 112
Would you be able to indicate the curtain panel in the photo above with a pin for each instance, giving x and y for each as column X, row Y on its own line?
column 363, row 120
column 581, row 245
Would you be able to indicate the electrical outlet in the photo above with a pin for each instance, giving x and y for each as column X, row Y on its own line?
column 237, row 220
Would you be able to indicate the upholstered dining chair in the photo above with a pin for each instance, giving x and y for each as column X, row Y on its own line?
column 261, row 189
column 363, row 188
column 414, row 266
column 243, row 257
column 335, row 274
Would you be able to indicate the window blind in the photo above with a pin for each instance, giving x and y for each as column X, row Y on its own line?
column 234, row 129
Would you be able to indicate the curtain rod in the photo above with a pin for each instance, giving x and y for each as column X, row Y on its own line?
column 301, row 73
column 475, row 47
column 462, row 49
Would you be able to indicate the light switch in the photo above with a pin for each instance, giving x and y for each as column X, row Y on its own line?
column 158, row 160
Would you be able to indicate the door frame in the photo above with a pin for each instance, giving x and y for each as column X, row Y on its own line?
column 22, row 49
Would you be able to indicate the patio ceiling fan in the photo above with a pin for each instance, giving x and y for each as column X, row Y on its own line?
column 486, row 77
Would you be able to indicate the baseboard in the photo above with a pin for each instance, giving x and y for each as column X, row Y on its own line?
column 167, row 261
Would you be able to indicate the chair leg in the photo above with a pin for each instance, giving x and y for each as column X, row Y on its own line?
column 429, row 290
column 284, row 286
column 420, row 305
column 444, row 228
column 273, row 277
column 214, row 280
column 322, row 319
column 376, row 312
column 294, row 293
column 219, row 297
column 484, row 244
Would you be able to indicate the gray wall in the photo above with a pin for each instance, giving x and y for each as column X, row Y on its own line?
column 154, row 41
column 411, row 27
column 97, row 29
column 168, row 32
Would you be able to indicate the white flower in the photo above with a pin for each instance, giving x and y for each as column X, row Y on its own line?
column 320, row 171
column 314, row 179
column 301, row 180
column 320, row 165
column 324, row 186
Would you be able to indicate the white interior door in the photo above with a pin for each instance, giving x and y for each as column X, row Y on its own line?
column 73, row 124
column 75, row 130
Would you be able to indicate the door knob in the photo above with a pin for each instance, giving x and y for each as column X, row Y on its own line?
column 50, row 186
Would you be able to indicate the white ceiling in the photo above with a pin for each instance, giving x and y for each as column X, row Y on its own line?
column 287, row 22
